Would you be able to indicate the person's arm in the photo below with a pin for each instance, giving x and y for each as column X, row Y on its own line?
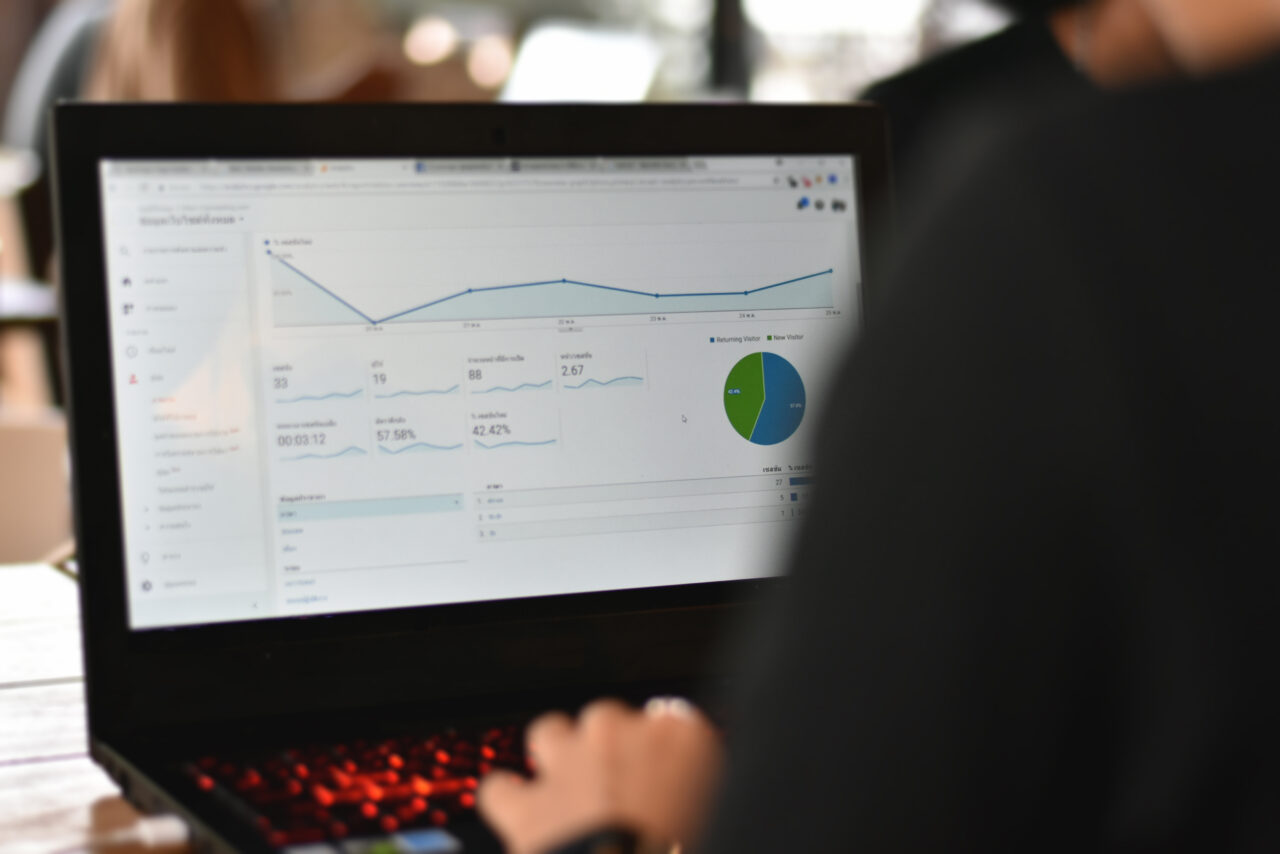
column 930, row 679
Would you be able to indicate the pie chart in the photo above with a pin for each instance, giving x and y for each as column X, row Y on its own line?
column 764, row 398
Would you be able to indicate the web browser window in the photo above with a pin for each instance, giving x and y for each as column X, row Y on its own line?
column 354, row 385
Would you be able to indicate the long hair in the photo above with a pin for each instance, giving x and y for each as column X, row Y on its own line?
column 181, row 50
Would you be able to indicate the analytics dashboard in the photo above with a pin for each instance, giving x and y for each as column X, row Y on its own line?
column 348, row 385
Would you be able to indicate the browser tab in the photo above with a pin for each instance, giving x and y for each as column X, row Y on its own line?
column 557, row 164
column 472, row 166
column 651, row 164
column 124, row 168
column 268, row 167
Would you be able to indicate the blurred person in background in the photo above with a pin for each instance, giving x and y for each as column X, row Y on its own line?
column 212, row 50
column 168, row 50
column 1033, row 605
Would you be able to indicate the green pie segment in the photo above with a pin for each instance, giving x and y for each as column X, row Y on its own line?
column 764, row 398
column 744, row 394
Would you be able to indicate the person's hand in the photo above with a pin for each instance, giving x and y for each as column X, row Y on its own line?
column 652, row 773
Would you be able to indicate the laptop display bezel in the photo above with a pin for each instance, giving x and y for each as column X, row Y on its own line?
column 146, row 678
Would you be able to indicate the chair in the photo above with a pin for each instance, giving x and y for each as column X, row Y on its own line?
column 54, row 68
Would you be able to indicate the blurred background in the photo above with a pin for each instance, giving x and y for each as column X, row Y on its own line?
column 410, row 50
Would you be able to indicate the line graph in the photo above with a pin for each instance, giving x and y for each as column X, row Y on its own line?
column 351, row 450
column 418, row 447
column 418, row 393
column 513, row 443
column 521, row 387
column 616, row 381
column 301, row 299
column 304, row 398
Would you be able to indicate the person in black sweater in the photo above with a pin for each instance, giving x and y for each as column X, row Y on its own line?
column 947, row 110
column 976, row 88
column 1034, row 606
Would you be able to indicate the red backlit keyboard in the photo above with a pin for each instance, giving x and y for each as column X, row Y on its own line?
column 360, row 790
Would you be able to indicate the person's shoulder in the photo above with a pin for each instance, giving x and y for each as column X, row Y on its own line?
column 1161, row 133
column 1129, row 197
column 970, row 64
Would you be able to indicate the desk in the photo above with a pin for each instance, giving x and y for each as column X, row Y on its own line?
column 52, row 796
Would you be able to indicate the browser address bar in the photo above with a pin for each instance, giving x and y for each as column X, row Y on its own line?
column 521, row 183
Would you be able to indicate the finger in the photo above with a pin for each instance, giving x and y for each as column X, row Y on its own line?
column 604, row 725
column 545, row 738
column 502, row 800
column 528, row 817
column 604, row 714
column 677, row 707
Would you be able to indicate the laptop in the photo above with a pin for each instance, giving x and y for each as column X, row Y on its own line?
column 395, row 426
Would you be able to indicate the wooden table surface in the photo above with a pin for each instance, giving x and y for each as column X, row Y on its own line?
column 53, row 798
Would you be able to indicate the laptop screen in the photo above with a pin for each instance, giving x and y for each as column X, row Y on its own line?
column 353, row 385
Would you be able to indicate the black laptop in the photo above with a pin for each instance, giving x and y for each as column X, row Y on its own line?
column 395, row 426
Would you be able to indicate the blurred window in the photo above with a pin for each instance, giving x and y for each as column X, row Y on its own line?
column 788, row 50
column 822, row 50
column 776, row 50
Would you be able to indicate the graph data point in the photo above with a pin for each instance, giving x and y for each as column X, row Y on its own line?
column 746, row 293
column 564, row 281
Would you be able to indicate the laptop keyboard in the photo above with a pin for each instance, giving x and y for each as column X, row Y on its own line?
column 399, row 790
